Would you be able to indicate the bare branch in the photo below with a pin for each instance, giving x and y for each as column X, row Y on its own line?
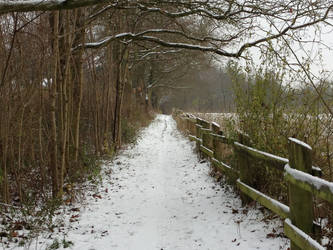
column 7, row 6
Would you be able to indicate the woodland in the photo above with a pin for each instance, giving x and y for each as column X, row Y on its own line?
column 78, row 79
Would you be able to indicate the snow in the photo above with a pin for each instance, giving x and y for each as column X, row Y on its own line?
column 210, row 152
column 314, row 181
column 274, row 157
column 316, row 168
column 157, row 195
column 275, row 203
column 223, row 164
column 108, row 39
column 215, row 124
column 216, row 116
column 300, row 143
column 314, row 244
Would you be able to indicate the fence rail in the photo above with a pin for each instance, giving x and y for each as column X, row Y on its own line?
column 302, row 178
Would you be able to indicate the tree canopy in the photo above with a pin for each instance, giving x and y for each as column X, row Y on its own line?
column 233, row 25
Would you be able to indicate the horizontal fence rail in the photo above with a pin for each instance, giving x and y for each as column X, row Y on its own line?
column 301, row 177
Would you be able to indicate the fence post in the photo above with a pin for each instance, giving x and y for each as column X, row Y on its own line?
column 197, row 128
column 300, row 201
column 188, row 126
column 216, row 129
column 206, row 139
column 245, row 173
column 216, row 147
column 217, row 150
column 183, row 123
column 198, row 135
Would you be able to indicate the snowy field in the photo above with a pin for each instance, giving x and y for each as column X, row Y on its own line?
column 156, row 195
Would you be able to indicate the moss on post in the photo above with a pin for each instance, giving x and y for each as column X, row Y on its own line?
column 244, row 168
column 206, row 138
column 300, row 201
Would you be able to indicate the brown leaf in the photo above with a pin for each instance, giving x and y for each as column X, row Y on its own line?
column 97, row 196
column 271, row 235
column 68, row 201
column 14, row 234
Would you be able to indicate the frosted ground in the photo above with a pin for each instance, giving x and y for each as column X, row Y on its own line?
column 157, row 195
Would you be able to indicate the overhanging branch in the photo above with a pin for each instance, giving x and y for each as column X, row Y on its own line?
column 7, row 6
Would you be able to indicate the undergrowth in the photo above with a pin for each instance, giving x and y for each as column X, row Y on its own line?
column 23, row 221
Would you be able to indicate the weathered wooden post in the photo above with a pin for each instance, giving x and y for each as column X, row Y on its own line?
column 300, row 201
column 193, row 128
column 217, row 152
column 204, row 133
column 206, row 137
column 207, row 146
column 246, row 174
column 216, row 129
column 198, row 135
column 188, row 125
column 197, row 127
column 182, row 123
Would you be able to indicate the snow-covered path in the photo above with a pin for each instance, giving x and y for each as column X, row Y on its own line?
column 158, row 196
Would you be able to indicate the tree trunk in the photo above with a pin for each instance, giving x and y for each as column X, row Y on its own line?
column 54, row 21
column 78, row 79
column 122, row 74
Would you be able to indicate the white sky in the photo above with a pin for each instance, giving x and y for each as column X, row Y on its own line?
column 328, row 53
column 321, row 53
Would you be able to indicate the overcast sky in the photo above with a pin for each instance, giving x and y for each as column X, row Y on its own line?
column 321, row 51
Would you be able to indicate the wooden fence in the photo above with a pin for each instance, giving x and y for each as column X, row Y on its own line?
column 303, row 180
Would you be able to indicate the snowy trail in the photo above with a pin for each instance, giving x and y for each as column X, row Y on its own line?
column 158, row 196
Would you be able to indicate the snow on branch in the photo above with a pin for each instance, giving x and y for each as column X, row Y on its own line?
column 139, row 36
column 7, row 6
column 195, row 42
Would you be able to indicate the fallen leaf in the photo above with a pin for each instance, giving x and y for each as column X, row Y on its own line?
column 97, row 196
column 271, row 235
column 14, row 234
column 235, row 211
